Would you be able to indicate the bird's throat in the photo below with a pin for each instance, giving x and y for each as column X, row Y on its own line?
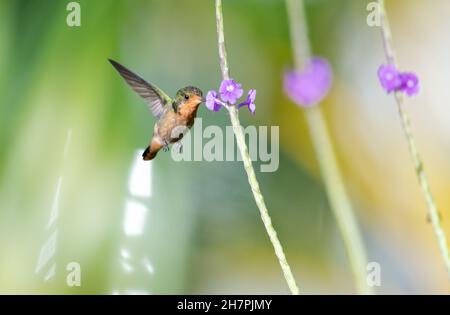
column 188, row 111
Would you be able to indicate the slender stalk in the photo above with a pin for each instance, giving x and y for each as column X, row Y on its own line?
column 339, row 200
column 334, row 185
column 433, row 212
column 240, row 139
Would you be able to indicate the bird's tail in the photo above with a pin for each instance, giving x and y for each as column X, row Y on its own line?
column 152, row 150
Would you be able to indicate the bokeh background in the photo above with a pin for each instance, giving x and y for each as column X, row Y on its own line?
column 71, row 133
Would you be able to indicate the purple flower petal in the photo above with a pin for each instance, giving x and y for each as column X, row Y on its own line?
column 230, row 91
column 409, row 83
column 212, row 101
column 310, row 86
column 252, row 108
column 389, row 78
column 251, row 95
column 250, row 101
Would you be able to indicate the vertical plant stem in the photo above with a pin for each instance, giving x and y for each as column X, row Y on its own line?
column 433, row 212
column 339, row 200
column 334, row 185
column 240, row 139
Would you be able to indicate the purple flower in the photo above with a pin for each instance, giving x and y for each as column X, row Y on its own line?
column 409, row 83
column 393, row 80
column 250, row 101
column 230, row 91
column 310, row 86
column 212, row 102
column 389, row 78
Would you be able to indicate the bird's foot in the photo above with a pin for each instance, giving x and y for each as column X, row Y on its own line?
column 165, row 146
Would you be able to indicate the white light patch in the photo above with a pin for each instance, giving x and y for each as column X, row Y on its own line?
column 127, row 267
column 51, row 273
column 148, row 266
column 139, row 182
column 135, row 213
column 47, row 252
column 125, row 253
column 131, row 292
column 55, row 205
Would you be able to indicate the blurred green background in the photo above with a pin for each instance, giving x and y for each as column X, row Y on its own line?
column 71, row 133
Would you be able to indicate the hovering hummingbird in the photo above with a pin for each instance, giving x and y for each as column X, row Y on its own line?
column 170, row 113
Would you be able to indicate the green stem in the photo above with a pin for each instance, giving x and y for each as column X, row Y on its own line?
column 240, row 139
column 334, row 185
column 433, row 212
column 339, row 200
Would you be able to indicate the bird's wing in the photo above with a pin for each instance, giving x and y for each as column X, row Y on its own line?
column 156, row 99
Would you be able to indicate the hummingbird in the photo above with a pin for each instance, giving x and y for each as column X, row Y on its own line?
column 172, row 115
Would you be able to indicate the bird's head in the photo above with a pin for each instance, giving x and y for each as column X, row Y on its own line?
column 189, row 95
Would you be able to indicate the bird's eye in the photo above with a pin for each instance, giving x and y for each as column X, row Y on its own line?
column 186, row 97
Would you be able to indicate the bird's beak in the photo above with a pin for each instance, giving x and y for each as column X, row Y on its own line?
column 200, row 99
